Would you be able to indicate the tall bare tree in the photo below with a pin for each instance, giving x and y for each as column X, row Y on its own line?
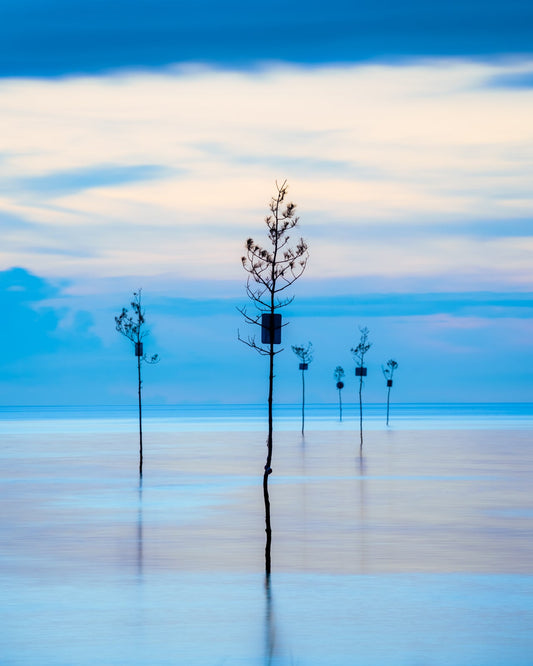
column 132, row 326
column 359, row 353
column 388, row 372
column 338, row 373
column 271, row 271
column 305, row 354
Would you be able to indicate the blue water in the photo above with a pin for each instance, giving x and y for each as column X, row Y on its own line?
column 416, row 552
column 207, row 620
column 253, row 418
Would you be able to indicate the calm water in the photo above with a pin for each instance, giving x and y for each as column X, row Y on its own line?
column 239, row 418
column 420, row 552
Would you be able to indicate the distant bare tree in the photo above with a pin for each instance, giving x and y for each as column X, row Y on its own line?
column 388, row 372
column 359, row 353
column 270, row 272
column 339, row 374
column 132, row 326
column 305, row 354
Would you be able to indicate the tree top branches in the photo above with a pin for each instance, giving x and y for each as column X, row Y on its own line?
column 363, row 346
column 304, row 353
column 271, row 270
column 131, row 325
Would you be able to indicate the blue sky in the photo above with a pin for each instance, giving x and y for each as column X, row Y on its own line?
column 44, row 37
column 142, row 146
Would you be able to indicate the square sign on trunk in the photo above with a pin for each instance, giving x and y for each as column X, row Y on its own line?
column 270, row 324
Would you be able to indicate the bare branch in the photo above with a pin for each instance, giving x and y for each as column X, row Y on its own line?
column 131, row 324
column 363, row 346
column 338, row 373
column 304, row 353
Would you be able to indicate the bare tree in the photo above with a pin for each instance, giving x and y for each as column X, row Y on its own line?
column 132, row 326
column 360, row 371
column 388, row 372
column 270, row 272
column 305, row 354
column 339, row 374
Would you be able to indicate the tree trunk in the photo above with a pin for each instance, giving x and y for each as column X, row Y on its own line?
column 268, row 528
column 270, row 402
column 140, row 419
column 340, row 406
column 303, row 401
column 361, row 410
column 268, row 465
column 388, row 403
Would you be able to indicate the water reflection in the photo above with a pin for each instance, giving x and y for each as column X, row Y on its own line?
column 362, row 464
column 67, row 536
column 362, row 512
column 140, row 530
column 270, row 629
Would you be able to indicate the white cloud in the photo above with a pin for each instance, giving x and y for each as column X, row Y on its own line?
column 418, row 143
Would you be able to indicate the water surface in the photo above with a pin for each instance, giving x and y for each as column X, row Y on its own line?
column 419, row 551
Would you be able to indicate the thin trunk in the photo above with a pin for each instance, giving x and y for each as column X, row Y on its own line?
column 268, row 527
column 140, row 419
column 361, row 410
column 268, row 465
column 270, row 400
column 303, row 401
column 388, row 402
column 340, row 406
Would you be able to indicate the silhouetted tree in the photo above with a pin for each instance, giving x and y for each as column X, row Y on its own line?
column 132, row 326
column 270, row 272
column 339, row 374
column 360, row 371
column 388, row 373
column 305, row 354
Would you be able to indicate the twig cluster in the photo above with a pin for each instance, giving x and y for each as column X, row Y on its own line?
column 304, row 353
column 271, row 271
column 130, row 325
column 363, row 346
column 388, row 371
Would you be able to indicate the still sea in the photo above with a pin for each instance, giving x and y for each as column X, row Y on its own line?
column 416, row 549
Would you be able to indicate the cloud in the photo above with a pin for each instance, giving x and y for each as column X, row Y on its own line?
column 172, row 171
column 26, row 330
column 32, row 325
column 460, row 305
column 62, row 183
column 62, row 348
column 513, row 80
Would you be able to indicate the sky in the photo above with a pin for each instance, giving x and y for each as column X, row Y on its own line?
column 142, row 142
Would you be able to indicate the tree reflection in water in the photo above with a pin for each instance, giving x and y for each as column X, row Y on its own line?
column 270, row 631
column 140, row 530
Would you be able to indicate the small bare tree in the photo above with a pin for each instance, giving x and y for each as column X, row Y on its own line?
column 339, row 374
column 132, row 326
column 388, row 372
column 359, row 353
column 305, row 354
column 270, row 272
